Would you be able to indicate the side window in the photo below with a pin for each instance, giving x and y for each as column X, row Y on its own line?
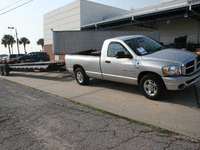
column 12, row 56
column 114, row 48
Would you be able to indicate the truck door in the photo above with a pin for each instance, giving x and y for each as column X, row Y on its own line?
column 118, row 69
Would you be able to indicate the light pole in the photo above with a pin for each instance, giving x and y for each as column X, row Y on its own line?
column 16, row 37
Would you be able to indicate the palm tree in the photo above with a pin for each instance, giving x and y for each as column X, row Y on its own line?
column 6, row 41
column 24, row 41
column 41, row 42
column 12, row 41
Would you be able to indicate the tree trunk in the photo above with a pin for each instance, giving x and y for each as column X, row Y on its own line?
column 25, row 49
column 9, row 49
column 12, row 48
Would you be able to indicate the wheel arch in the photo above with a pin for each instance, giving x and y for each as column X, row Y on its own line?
column 145, row 73
column 77, row 66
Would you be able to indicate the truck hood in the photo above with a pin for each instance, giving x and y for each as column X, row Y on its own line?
column 171, row 55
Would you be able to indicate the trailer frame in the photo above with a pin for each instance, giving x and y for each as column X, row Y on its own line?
column 48, row 66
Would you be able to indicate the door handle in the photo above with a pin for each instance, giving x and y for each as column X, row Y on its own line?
column 107, row 61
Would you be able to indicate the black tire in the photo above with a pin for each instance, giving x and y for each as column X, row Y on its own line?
column 81, row 76
column 6, row 70
column 152, row 86
column 2, row 73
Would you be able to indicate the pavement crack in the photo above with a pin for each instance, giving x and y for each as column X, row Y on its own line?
column 169, row 145
column 3, row 120
column 120, row 143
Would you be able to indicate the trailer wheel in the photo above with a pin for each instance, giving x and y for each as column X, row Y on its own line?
column 81, row 76
column 152, row 86
column 6, row 70
column 1, row 69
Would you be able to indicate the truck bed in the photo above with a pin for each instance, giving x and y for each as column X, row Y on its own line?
column 91, row 52
column 90, row 61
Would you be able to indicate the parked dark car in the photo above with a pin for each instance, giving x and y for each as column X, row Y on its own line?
column 34, row 57
column 1, row 57
column 12, row 58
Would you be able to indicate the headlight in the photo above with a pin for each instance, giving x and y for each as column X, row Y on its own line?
column 172, row 70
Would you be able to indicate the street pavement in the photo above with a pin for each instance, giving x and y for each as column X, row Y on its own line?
column 32, row 120
column 177, row 111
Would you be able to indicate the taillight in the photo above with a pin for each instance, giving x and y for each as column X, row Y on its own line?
column 47, row 55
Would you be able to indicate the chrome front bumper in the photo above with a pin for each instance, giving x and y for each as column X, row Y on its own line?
column 181, row 82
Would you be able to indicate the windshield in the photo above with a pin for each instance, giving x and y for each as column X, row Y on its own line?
column 143, row 45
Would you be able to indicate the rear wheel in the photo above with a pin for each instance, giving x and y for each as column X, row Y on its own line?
column 81, row 76
column 152, row 86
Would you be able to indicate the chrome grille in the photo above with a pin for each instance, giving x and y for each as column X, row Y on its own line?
column 192, row 66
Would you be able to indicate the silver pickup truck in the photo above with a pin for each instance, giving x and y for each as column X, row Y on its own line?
column 137, row 60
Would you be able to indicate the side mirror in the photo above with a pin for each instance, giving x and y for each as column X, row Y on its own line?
column 122, row 55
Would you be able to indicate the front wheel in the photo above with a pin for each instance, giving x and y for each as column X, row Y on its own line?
column 81, row 76
column 152, row 86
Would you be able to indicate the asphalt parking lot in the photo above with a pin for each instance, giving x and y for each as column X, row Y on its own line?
column 34, row 120
column 177, row 111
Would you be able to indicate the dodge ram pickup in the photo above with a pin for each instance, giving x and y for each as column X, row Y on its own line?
column 137, row 60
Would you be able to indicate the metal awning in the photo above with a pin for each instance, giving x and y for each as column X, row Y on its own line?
column 146, row 18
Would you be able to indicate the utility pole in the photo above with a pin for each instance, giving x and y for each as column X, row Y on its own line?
column 16, row 37
column 17, row 41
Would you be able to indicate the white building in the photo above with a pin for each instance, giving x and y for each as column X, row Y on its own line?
column 75, row 15
column 172, row 18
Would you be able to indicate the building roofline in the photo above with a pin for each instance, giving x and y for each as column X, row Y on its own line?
column 154, row 11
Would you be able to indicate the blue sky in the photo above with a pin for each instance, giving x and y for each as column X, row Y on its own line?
column 28, row 19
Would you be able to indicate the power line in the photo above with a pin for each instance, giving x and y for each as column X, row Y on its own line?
column 9, row 5
column 16, row 7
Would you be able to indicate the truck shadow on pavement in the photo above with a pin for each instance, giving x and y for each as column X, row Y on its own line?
column 184, row 97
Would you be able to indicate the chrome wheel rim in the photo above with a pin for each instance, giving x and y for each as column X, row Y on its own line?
column 150, row 87
column 79, row 77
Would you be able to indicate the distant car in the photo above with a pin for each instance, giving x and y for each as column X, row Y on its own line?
column 1, row 57
column 4, row 60
column 34, row 57
column 12, row 58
